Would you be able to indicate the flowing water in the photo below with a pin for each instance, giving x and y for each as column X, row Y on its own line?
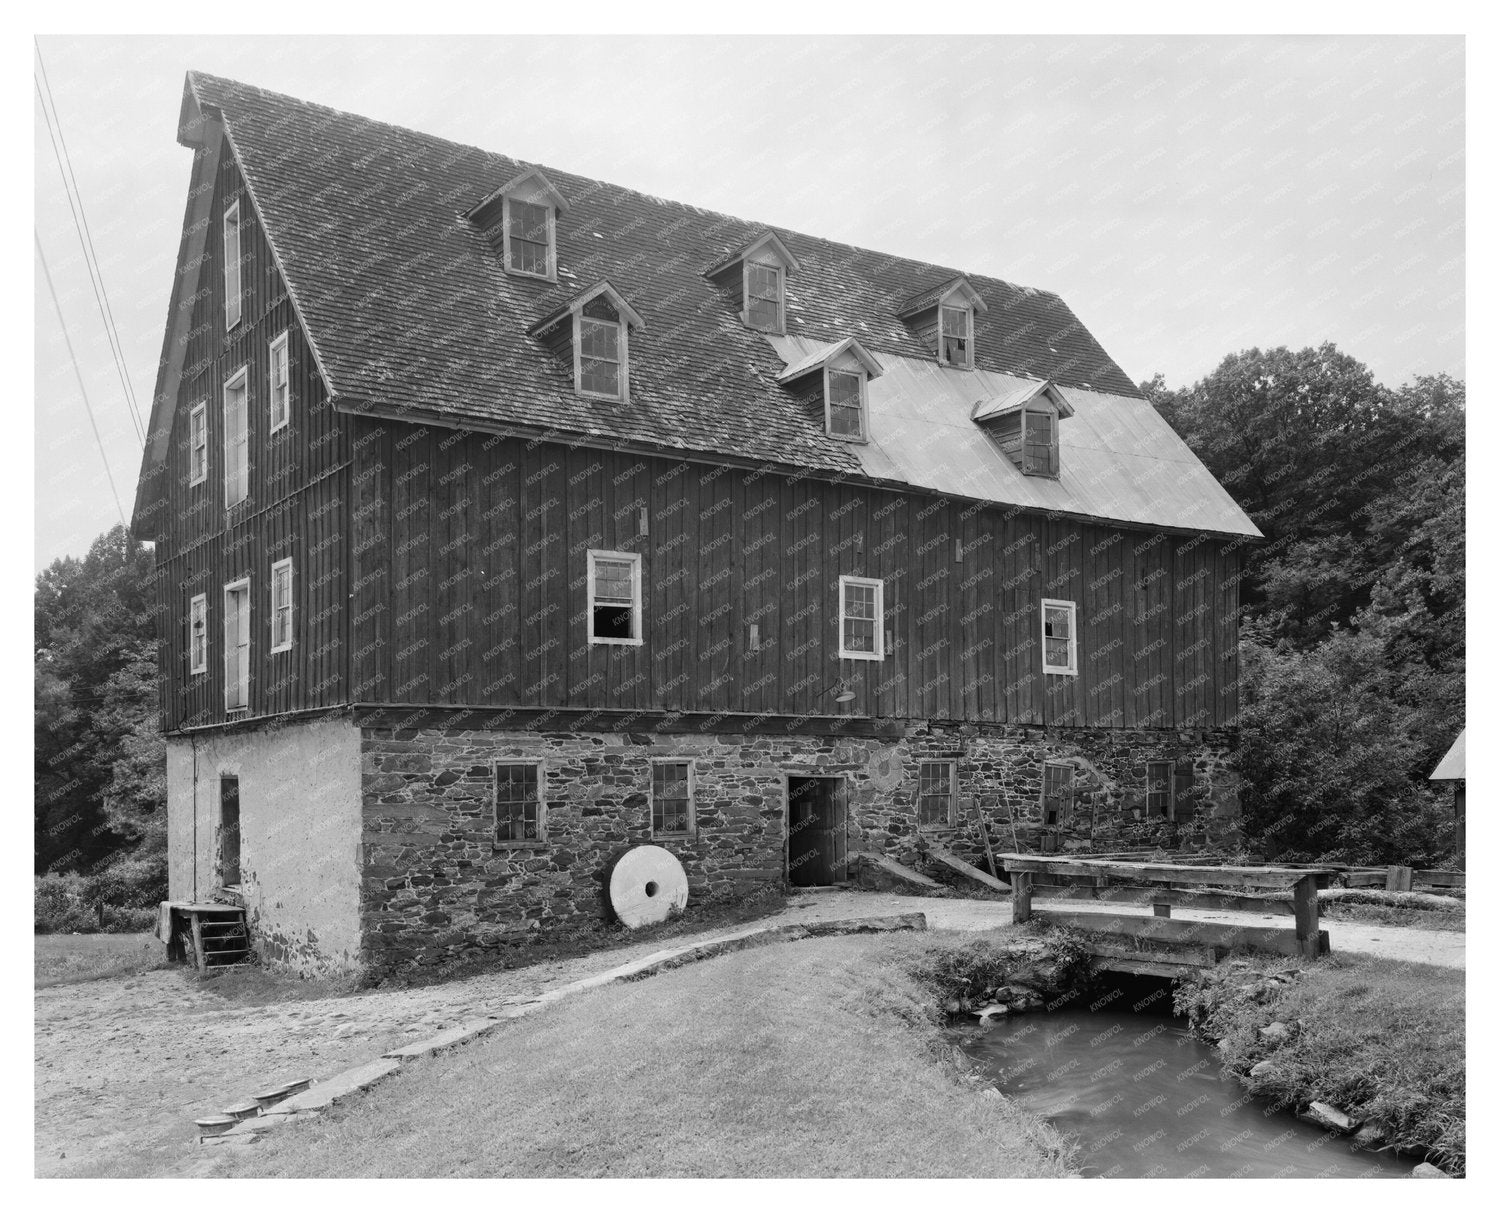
column 1144, row 1098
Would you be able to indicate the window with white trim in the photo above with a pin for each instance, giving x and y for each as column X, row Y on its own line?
column 862, row 618
column 281, row 383
column 614, row 598
column 281, row 606
column 198, row 443
column 236, row 438
column 520, row 804
column 198, row 634
column 601, row 357
column 765, row 296
column 844, row 392
column 530, row 238
column 671, row 797
column 237, row 645
column 937, row 793
column 956, row 336
column 1059, row 636
column 232, row 286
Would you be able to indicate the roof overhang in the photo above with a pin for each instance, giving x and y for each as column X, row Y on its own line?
column 1011, row 402
column 939, row 295
column 578, row 302
column 822, row 356
column 766, row 239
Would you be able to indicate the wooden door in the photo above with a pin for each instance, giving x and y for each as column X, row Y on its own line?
column 817, row 842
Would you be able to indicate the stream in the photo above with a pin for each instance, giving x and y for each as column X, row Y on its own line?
column 1143, row 1098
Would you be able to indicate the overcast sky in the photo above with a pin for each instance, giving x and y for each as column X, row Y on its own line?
column 1188, row 197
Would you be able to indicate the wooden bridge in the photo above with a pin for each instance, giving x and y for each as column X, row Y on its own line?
column 1131, row 940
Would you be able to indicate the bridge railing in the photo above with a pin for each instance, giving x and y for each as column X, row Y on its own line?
column 1264, row 890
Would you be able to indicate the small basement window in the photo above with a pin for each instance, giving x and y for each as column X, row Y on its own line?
column 198, row 634
column 671, row 798
column 198, row 443
column 1057, row 793
column 956, row 340
column 1159, row 790
column 520, row 817
column 844, row 392
column 1059, row 637
column 937, row 794
column 861, row 616
column 614, row 597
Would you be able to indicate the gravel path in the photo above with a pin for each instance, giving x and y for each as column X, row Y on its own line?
column 124, row 1066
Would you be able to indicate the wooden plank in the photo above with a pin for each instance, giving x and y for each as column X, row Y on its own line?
column 1440, row 880
column 1281, row 940
column 1163, row 872
column 1398, row 879
column 952, row 862
column 1164, row 894
column 898, row 870
column 1176, row 957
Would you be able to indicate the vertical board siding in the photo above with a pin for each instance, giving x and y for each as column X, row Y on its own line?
column 470, row 588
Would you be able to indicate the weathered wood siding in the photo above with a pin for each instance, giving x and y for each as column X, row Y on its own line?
column 295, row 505
column 469, row 570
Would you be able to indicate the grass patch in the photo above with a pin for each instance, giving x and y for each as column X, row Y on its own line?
column 814, row 1058
column 62, row 959
column 1381, row 1040
column 1426, row 911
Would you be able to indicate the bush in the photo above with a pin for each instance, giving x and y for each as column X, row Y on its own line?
column 59, row 906
column 67, row 902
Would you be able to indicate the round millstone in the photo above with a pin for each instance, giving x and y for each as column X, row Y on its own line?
column 646, row 885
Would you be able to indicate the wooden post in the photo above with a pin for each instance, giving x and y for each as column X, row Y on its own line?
column 1020, row 896
column 1397, row 879
column 198, row 957
column 1305, row 907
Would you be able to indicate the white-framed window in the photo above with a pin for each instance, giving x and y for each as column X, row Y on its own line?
column 237, row 645
column 280, row 379
column 671, row 797
column 614, row 598
column 232, row 287
column 198, row 634
column 198, row 443
column 530, row 238
column 1059, row 636
column 862, row 618
column 520, row 804
column 236, row 438
column 937, row 793
column 844, row 394
column 765, row 296
column 599, row 365
column 956, row 335
column 281, row 605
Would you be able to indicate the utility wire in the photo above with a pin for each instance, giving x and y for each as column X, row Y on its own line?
column 85, row 238
column 52, row 290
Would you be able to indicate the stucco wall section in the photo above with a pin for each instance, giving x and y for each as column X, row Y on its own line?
column 299, row 836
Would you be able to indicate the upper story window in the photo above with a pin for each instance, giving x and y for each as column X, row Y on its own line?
column 236, row 438
column 592, row 334
column 237, row 645
column 614, row 604
column 232, row 286
column 1059, row 636
column 281, row 383
column 755, row 275
column 198, row 634
column 281, row 606
column 841, row 373
column 520, row 221
column 845, row 396
column 862, row 618
column 198, row 443
column 1025, row 423
column 1039, row 453
column 942, row 318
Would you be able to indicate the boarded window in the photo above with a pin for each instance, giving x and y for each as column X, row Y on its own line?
column 232, row 288
column 599, row 361
column 530, row 237
column 518, row 803
column 763, row 296
column 846, row 404
column 937, row 794
column 1059, row 637
column 1057, row 793
column 861, row 610
column 237, row 646
column 1039, row 456
column 236, row 440
column 281, row 383
column 671, row 798
column 954, row 347
column 198, row 443
column 614, row 598
column 198, row 635
column 229, row 830
column 281, row 606
column 1159, row 789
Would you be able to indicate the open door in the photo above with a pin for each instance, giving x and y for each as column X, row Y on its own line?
column 817, row 831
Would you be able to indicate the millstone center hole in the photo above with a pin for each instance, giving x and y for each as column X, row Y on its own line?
column 651, row 887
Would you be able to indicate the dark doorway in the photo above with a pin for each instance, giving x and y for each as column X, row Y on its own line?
column 229, row 831
column 817, row 817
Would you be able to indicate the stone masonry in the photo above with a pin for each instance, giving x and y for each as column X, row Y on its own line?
column 437, row 888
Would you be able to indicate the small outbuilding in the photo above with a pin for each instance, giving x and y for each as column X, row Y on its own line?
column 1451, row 770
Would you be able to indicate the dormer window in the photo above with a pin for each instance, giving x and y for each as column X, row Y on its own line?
column 755, row 276
column 840, row 375
column 1024, row 424
column 942, row 318
column 520, row 222
column 591, row 336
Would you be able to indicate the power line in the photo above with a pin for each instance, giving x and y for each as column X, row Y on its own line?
column 83, row 391
column 85, row 238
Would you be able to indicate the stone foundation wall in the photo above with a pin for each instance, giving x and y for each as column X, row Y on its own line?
column 437, row 888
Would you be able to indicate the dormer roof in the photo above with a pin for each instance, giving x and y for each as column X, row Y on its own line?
column 999, row 406
column 824, row 354
column 926, row 300
column 533, row 180
column 577, row 303
column 764, row 239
